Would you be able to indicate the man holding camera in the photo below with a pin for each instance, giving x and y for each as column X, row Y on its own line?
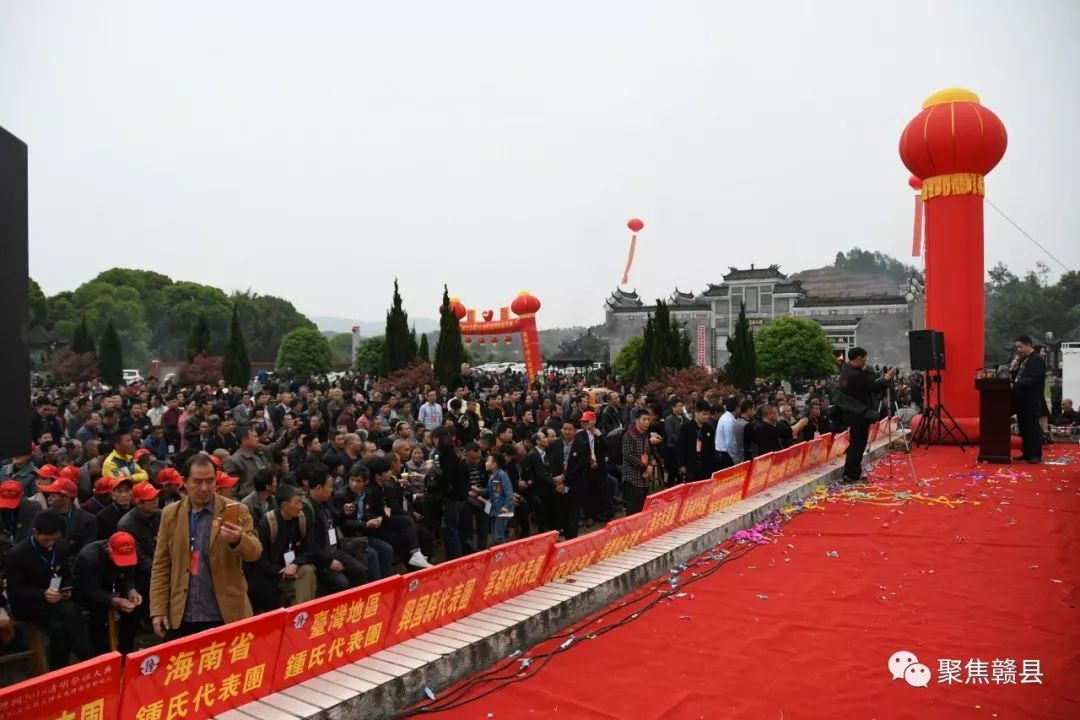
column 857, row 387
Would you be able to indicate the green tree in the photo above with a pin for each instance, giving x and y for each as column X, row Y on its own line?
column 111, row 359
column 236, row 368
column 414, row 347
column 877, row 263
column 398, row 352
column 369, row 356
column 266, row 319
column 39, row 305
column 198, row 342
column 341, row 347
column 304, row 352
column 449, row 350
column 741, row 367
column 625, row 364
column 103, row 303
column 81, row 340
column 792, row 347
column 422, row 353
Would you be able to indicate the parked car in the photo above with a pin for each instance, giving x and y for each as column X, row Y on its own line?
column 132, row 376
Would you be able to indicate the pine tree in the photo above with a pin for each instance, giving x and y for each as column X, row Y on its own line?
column 647, row 369
column 81, row 340
column 449, row 350
column 414, row 349
column 199, row 338
column 741, row 367
column 237, row 366
column 397, row 352
column 111, row 358
column 423, row 354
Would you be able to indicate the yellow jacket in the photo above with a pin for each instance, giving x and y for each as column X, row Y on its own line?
column 120, row 465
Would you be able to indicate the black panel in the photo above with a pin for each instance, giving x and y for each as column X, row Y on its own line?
column 14, row 298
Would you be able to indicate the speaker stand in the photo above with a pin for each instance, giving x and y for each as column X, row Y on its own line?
column 937, row 422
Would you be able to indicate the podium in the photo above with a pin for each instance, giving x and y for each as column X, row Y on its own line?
column 995, row 411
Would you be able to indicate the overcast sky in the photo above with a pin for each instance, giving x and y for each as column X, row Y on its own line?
column 316, row 150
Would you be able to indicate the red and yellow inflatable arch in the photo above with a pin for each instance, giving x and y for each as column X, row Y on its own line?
column 525, row 307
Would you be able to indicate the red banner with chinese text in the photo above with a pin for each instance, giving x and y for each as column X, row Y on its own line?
column 439, row 595
column 204, row 674
column 569, row 556
column 515, row 567
column 328, row 632
column 696, row 504
column 625, row 533
column 665, row 507
column 87, row 691
column 758, row 477
column 796, row 460
column 778, row 467
column 818, row 452
column 840, row 444
column 727, row 486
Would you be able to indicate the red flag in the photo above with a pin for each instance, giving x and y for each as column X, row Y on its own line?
column 916, row 240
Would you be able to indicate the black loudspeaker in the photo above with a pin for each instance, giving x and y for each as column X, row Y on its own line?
column 927, row 349
column 14, row 294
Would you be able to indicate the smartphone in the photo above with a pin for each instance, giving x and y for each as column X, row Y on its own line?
column 232, row 513
column 54, row 584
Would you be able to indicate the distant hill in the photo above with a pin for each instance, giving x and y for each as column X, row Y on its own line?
column 368, row 328
column 836, row 282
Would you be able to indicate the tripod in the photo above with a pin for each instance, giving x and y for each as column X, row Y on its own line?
column 937, row 422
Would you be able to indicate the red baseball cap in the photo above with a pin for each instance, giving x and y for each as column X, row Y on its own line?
column 122, row 549
column 140, row 453
column 10, row 494
column 48, row 471
column 70, row 472
column 226, row 481
column 117, row 481
column 144, row 491
column 62, row 486
column 170, row 476
column 588, row 416
column 216, row 460
column 103, row 486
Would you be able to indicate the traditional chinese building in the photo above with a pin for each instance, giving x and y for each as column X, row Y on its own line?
column 871, row 312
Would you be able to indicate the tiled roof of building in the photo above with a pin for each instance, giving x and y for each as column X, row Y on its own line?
column 622, row 299
column 850, row 301
column 716, row 291
column 788, row 287
column 767, row 273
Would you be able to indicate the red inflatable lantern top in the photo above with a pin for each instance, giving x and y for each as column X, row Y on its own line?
column 635, row 225
column 953, row 134
column 915, row 183
column 525, row 304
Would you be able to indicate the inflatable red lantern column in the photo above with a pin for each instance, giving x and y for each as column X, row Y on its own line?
column 951, row 146
column 525, row 307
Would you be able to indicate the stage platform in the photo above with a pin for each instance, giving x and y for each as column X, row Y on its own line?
column 392, row 680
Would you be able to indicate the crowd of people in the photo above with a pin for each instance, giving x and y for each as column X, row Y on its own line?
column 173, row 510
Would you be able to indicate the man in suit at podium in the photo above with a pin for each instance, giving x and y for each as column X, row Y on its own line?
column 1029, row 384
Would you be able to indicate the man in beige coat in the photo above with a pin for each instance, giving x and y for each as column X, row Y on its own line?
column 197, row 580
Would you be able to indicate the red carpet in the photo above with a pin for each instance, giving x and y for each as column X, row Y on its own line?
column 804, row 627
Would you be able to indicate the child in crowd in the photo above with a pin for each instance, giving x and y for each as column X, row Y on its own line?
column 500, row 505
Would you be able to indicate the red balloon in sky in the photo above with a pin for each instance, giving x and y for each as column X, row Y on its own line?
column 635, row 225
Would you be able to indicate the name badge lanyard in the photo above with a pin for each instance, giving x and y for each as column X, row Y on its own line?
column 50, row 562
column 191, row 535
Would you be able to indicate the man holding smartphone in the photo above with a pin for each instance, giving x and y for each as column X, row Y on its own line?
column 39, row 587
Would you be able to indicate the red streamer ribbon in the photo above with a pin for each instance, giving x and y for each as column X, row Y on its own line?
column 629, row 260
column 916, row 240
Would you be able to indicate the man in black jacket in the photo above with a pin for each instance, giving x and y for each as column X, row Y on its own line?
column 1029, row 385
column 39, row 587
column 284, row 574
column 857, row 387
column 585, row 469
column 337, row 570
column 540, row 488
column 142, row 522
column 696, row 448
column 105, row 581
column 80, row 527
column 107, row 520
column 453, row 489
